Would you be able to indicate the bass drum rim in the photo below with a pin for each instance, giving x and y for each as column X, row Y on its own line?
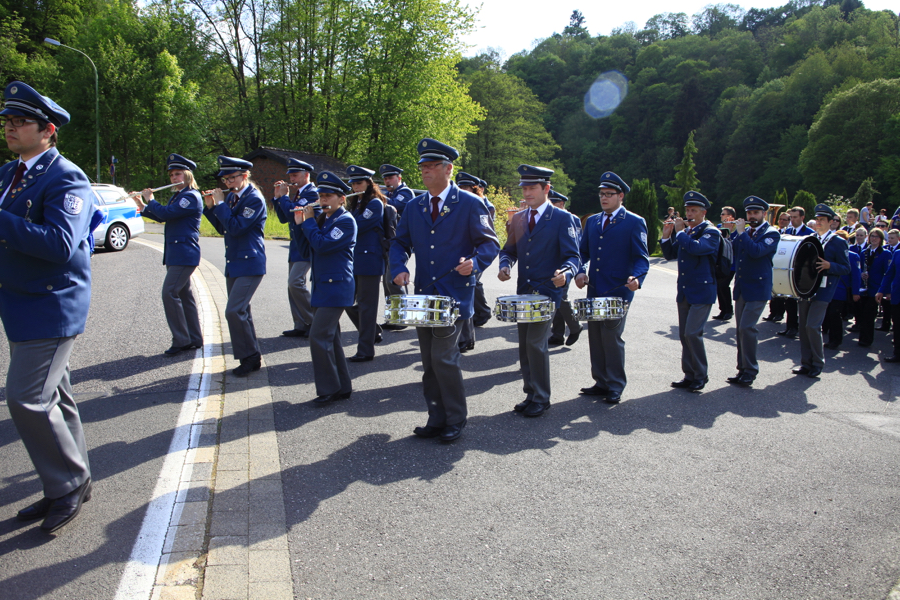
column 803, row 279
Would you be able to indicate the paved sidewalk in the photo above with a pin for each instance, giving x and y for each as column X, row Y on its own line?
column 227, row 536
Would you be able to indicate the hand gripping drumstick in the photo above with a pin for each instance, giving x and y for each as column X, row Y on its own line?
column 448, row 272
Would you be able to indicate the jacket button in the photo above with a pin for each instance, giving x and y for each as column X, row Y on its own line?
column 527, row 267
column 49, row 287
column 330, row 280
column 432, row 262
column 432, row 247
column 245, row 256
column 528, row 254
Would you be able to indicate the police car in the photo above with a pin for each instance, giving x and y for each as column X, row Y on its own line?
column 121, row 220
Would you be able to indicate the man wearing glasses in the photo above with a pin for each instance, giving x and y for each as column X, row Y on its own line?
column 45, row 292
column 615, row 244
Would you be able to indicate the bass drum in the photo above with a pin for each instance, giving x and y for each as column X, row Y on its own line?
column 794, row 273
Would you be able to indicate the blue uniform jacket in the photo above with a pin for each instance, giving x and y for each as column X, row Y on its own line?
column 877, row 270
column 332, row 259
column 837, row 253
column 400, row 197
column 182, row 218
column 241, row 220
column 802, row 230
column 615, row 255
column 45, row 256
column 890, row 284
column 850, row 284
column 368, row 258
column 299, row 248
column 552, row 245
column 696, row 254
column 462, row 229
column 753, row 262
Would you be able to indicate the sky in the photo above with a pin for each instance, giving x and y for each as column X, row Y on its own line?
column 512, row 26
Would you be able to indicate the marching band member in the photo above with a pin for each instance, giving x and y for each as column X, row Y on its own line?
column 45, row 292
column 796, row 227
column 240, row 217
column 544, row 241
column 482, row 314
column 835, row 263
column 876, row 259
column 564, row 315
column 695, row 246
column 776, row 305
column 846, row 292
column 398, row 196
column 723, row 284
column 289, row 197
column 368, row 260
column 852, row 222
column 181, row 253
column 890, row 292
column 615, row 245
column 754, row 248
column 332, row 237
column 451, row 234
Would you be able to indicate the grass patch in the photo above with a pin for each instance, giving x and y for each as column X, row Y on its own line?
column 274, row 229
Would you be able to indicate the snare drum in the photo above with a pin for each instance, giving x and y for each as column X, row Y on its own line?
column 600, row 309
column 525, row 308
column 794, row 273
column 421, row 311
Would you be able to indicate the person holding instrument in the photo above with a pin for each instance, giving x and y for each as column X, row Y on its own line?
column 833, row 265
column 181, row 253
column 564, row 315
column 367, row 207
column 875, row 260
column 615, row 244
column 332, row 238
column 451, row 234
column 544, row 241
column 398, row 194
column 240, row 217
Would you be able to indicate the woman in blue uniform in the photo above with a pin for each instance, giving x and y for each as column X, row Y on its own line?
column 240, row 217
column 368, row 259
column 181, row 254
column 332, row 237
column 873, row 264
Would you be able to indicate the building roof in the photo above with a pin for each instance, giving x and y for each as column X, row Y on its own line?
column 321, row 162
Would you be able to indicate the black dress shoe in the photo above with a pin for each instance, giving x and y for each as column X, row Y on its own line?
column 574, row 335
column 723, row 316
column 295, row 333
column 555, row 341
column 38, row 510
column 736, row 378
column 595, row 390
column 741, row 379
column 452, row 432
column 788, row 333
column 360, row 358
column 465, row 347
column 800, row 371
column 814, row 373
column 428, row 431
column 331, row 397
column 536, row 409
column 392, row 327
column 696, row 386
column 193, row 346
column 248, row 365
column 522, row 405
column 378, row 338
column 683, row 384
column 853, row 328
column 343, row 395
column 864, row 344
column 62, row 510
column 613, row 398
column 173, row 350
column 892, row 359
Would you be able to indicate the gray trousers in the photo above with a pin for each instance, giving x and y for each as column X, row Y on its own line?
column 466, row 330
column 691, row 320
column 812, row 352
column 608, row 354
column 181, row 307
column 238, row 315
column 534, row 357
column 364, row 314
column 442, row 380
column 564, row 316
column 481, row 306
column 747, row 316
column 330, row 368
column 299, row 296
column 39, row 396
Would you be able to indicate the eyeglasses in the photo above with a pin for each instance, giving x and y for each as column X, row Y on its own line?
column 16, row 122
column 429, row 166
column 229, row 178
column 608, row 194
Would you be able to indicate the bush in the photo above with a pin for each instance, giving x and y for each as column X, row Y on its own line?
column 642, row 201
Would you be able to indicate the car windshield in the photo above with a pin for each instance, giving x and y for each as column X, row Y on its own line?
column 110, row 196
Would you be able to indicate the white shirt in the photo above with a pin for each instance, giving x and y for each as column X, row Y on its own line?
column 442, row 196
column 540, row 211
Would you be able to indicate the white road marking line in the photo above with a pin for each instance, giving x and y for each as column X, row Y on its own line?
column 140, row 571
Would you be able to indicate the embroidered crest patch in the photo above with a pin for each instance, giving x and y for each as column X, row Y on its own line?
column 485, row 220
column 73, row 204
column 367, row 214
column 769, row 241
column 248, row 212
column 643, row 237
column 708, row 235
column 184, row 203
column 336, row 234
column 572, row 233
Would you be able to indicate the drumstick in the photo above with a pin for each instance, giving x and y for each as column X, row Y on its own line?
column 448, row 272
column 535, row 286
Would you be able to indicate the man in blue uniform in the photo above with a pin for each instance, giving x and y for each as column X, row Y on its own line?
column 544, row 241
column 469, row 183
column 564, row 315
column 797, row 227
column 181, row 253
column 695, row 245
column 398, row 195
column 834, row 264
column 288, row 198
column 615, row 244
column 450, row 232
column 754, row 248
column 45, row 291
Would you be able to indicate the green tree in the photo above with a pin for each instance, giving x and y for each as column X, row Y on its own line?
column 865, row 193
column 807, row 200
column 685, row 177
column 642, row 200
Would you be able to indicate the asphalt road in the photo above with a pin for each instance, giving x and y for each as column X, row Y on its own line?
column 129, row 396
column 788, row 490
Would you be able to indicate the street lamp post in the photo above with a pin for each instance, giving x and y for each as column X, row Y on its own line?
column 52, row 42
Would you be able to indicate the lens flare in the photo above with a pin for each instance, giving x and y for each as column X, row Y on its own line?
column 605, row 94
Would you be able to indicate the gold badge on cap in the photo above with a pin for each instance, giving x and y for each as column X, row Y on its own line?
column 172, row 157
column 13, row 90
column 424, row 143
